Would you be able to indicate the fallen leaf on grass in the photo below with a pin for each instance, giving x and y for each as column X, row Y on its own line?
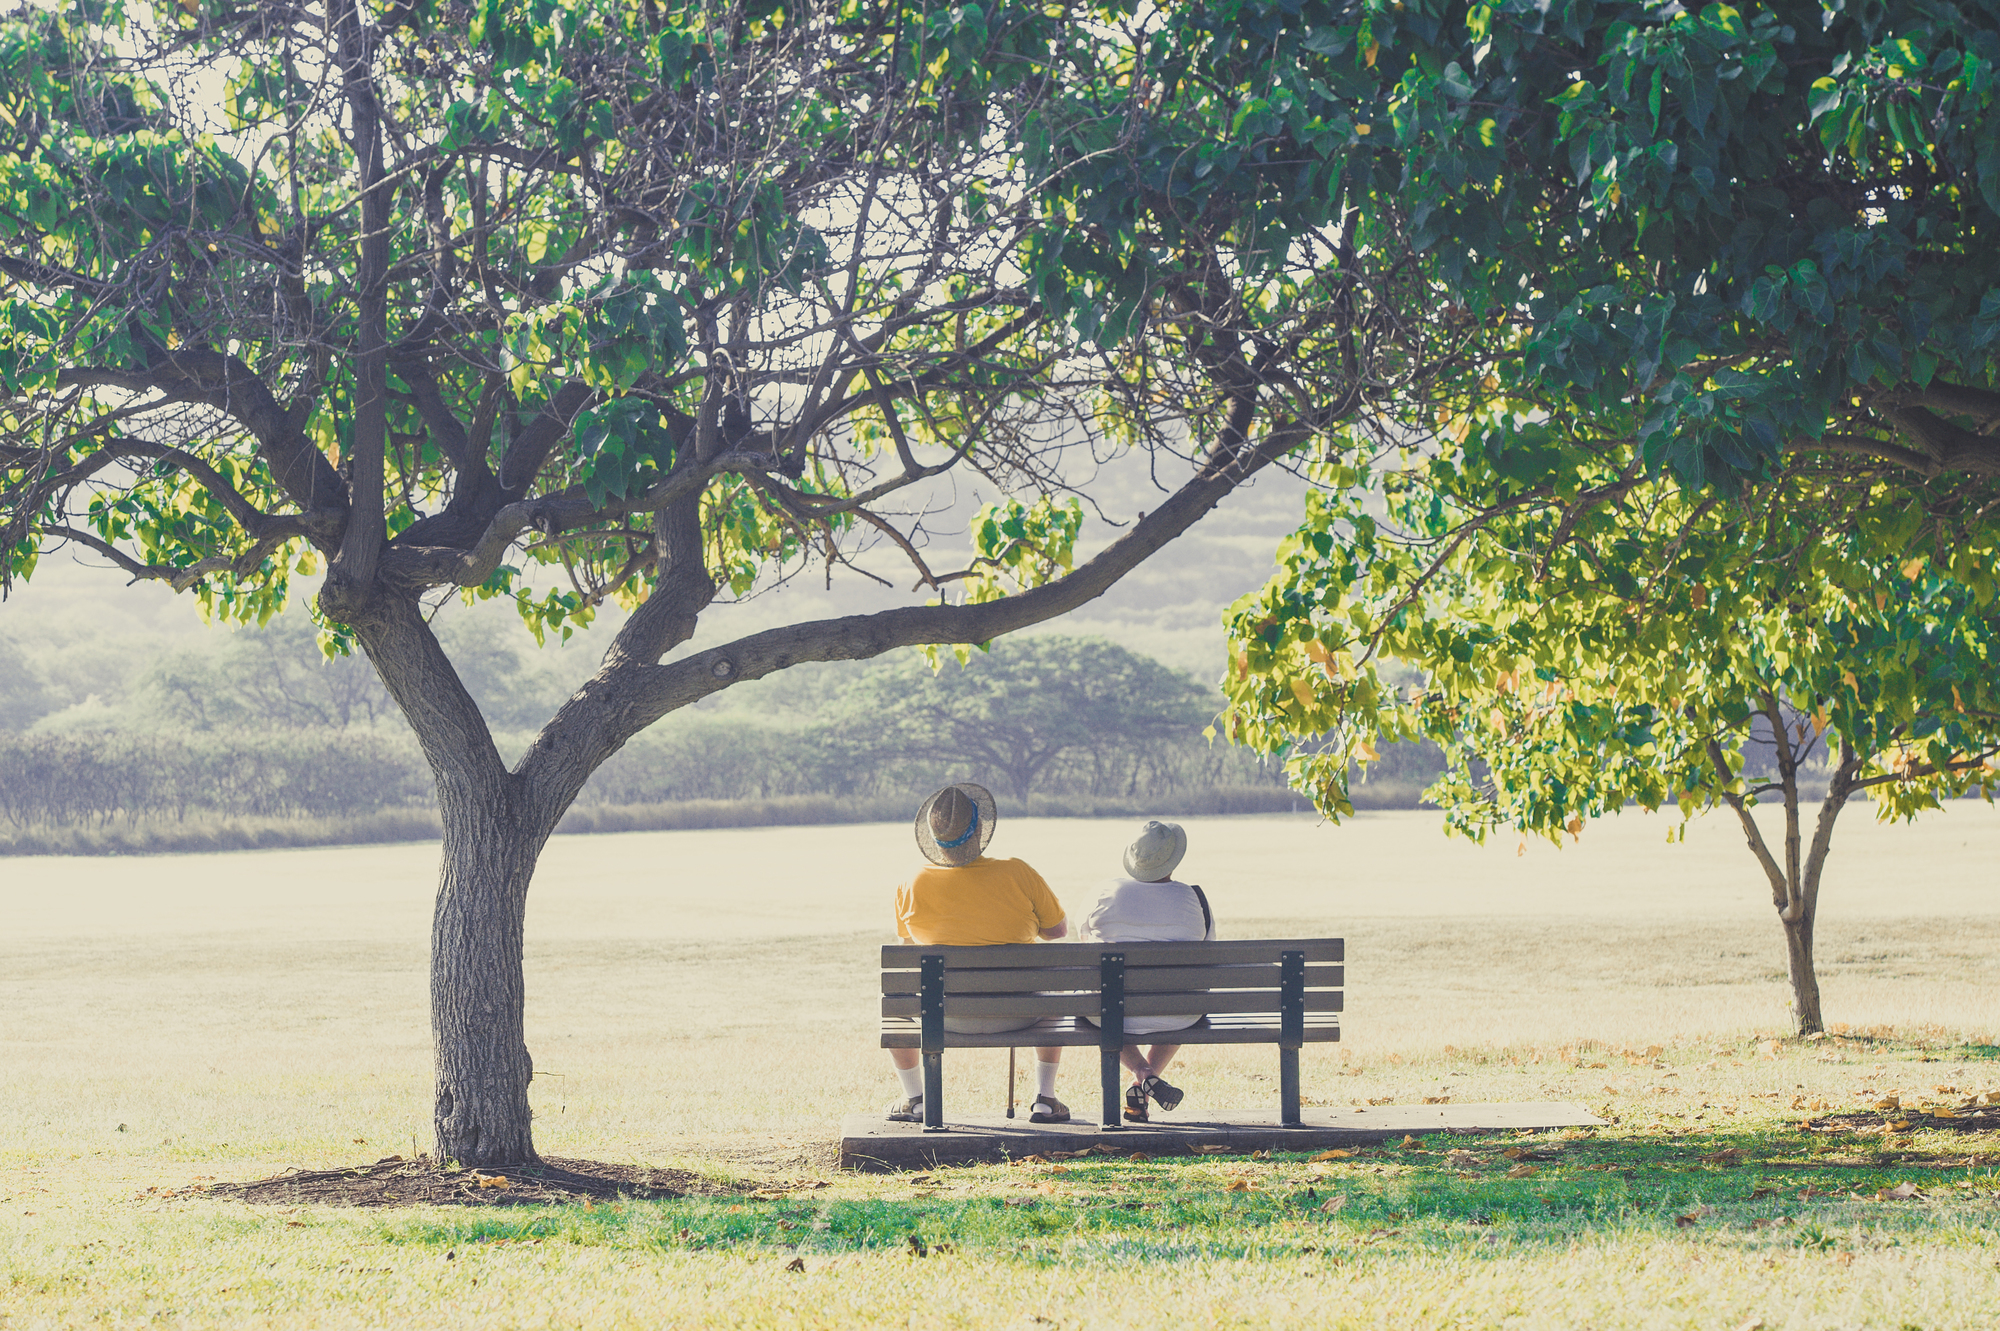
column 1756, row 1193
column 496, row 1182
column 1694, row 1217
column 796, row 1264
column 1070, row 1155
column 1329, row 1155
column 1240, row 1185
column 1437, row 1099
column 1334, row 1203
column 1408, row 1140
column 1902, row 1192
column 1731, row 1156
column 1209, row 1150
column 1460, row 1159
column 1844, row 1258
column 1523, row 1171
column 1260, row 1155
column 1030, row 1160
column 1889, row 1102
column 1139, row 1158
column 1766, row 1222
column 1019, row 1201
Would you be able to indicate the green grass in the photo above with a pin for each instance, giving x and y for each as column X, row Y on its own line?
column 1625, row 1226
column 221, row 1018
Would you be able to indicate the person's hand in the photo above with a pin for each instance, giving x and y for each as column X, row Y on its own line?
column 1060, row 929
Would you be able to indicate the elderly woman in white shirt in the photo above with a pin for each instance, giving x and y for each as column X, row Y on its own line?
column 1148, row 905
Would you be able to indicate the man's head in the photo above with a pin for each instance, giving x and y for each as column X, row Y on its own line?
column 1156, row 852
column 955, row 825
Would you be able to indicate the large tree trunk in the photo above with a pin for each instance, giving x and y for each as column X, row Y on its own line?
column 494, row 829
column 477, row 992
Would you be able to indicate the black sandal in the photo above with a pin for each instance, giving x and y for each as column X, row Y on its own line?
column 1135, row 1104
column 1163, row 1095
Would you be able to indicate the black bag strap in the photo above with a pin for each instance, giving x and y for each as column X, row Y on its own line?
column 1207, row 919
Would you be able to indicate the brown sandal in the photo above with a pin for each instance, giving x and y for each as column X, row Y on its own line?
column 1057, row 1111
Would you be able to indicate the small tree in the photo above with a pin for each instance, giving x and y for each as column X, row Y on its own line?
column 1673, row 649
column 664, row 299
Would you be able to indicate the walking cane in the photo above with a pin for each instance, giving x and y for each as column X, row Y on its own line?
column 1010, row 1081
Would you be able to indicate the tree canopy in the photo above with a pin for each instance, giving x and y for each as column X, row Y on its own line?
column 661, row 303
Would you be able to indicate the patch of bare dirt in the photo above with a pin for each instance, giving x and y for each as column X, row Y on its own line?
column 396, row 1181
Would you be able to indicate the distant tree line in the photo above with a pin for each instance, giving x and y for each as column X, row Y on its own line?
column 263, row 725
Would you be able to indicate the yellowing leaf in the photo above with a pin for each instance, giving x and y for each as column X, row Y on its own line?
column 1523, row 1171
column 1303, row 692
column 1331, row 1155
column 1368, row 57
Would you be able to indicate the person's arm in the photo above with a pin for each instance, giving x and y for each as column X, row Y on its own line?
column 1060, row 929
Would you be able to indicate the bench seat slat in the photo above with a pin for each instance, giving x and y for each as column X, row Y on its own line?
column 1138, row 979
column 905, row 1033
column 1136, row 1005
column 909, row 956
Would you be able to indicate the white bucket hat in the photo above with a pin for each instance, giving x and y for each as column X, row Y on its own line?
column 1156, row 852
column 955, row 825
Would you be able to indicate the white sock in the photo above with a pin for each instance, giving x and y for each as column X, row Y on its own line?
column 913, row 1081
column 1045, row 1079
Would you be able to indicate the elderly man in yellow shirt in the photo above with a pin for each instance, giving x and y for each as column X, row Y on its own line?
column 962, row 898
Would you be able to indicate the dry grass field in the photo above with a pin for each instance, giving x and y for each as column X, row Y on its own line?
column 704, row 1000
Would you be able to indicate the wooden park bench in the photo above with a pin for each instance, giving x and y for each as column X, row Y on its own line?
column 1281, row 991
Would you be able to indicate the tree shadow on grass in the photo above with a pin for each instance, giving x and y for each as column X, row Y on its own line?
column 1776, row 1182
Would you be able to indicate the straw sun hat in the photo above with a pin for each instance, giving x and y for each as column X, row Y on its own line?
column 955, row 825
column 1156, row 852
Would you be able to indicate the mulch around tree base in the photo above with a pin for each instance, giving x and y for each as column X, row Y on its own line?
column 395, row 1181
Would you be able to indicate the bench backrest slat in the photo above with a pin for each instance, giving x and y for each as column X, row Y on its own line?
column 1136, row 1005
column 1138, row 979
column 908, row 956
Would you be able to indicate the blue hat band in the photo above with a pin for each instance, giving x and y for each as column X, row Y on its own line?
column 969, row 833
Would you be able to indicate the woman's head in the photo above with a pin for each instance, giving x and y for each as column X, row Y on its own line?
column 1156, row 852
column 955, row 825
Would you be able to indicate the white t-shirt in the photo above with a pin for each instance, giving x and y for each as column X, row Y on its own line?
column 1129, row 911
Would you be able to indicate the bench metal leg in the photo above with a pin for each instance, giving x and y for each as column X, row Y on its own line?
column 930, row 986
column 1292, row 1033
column 933, row 1090
column 1111, row 1032
column 1288, row 1088
column 1114, row 1091
column 1010, row 1081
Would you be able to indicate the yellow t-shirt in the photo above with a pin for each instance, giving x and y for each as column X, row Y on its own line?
column 978, row 904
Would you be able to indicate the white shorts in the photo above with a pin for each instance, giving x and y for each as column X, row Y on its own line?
column 987, row 1025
